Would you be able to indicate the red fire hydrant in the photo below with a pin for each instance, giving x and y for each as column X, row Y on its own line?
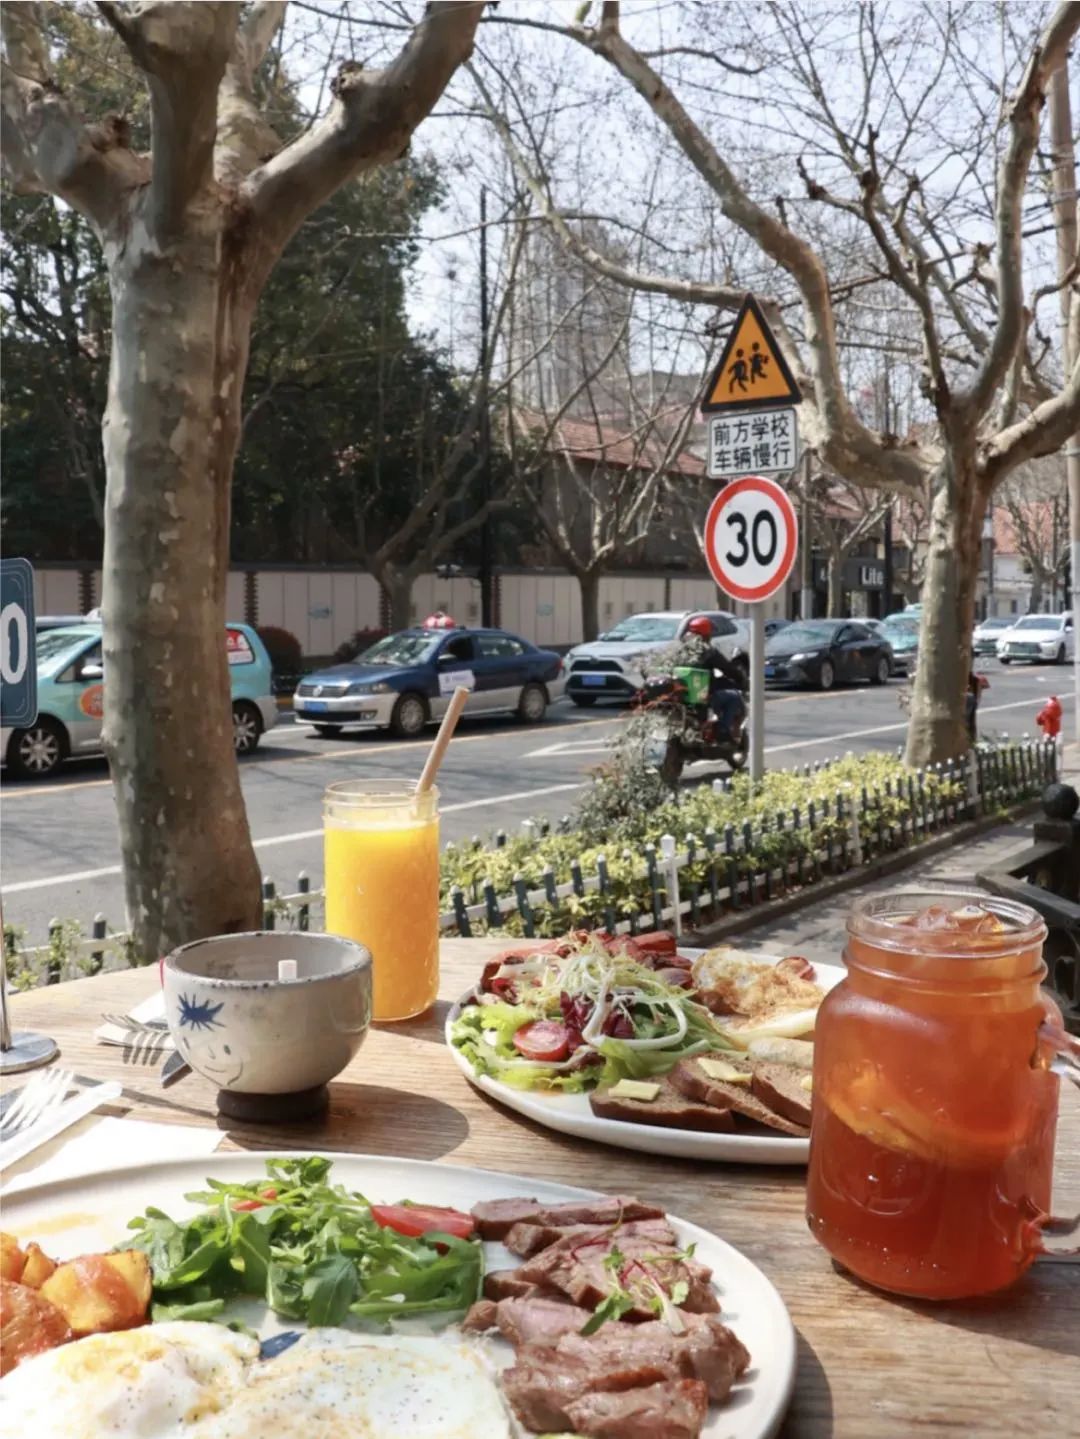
column 1049, row 718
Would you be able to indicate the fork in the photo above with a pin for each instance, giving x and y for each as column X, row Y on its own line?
column 137, row 1026
column 38, row 1097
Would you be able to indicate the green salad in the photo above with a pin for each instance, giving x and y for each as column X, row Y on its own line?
column 586, row 1019
column 313, row 1250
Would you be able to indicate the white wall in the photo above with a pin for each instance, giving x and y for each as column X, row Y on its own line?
column 56, row 592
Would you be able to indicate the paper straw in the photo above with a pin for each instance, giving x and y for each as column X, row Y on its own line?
column 443, row 738
column 286, row 969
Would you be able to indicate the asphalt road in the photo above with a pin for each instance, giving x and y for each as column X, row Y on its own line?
column 60, row 852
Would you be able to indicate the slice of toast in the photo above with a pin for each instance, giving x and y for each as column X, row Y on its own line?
column 669, row 1110
column 694, row 1083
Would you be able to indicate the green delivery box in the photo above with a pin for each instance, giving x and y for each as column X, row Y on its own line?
column 696, row 682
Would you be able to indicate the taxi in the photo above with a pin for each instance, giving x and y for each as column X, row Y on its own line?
column 71, row 697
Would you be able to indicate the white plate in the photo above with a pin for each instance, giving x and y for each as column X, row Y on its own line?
column 572, row 1114
column 90, row 1212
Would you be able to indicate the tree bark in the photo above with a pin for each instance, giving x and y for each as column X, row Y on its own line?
column 936, row 731
column 180, row 336
column 399, row 587
column 836, row 587
column 589, row 581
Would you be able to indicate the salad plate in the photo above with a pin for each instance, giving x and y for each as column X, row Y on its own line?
column 92, row 1211
column 571, row 1113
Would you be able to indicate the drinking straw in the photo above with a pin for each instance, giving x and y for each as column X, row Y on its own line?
column 442, row 739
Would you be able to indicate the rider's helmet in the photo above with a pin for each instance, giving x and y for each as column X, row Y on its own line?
column 700, row 625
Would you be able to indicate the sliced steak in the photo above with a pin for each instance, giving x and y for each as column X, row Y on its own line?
column 543, row 1384
column 480, row 1316
column 691, row 1080
column 507, row 1284
column 530, row 1239
column 495, row 1217
column 675, row 1410
column 780, row 1086
column 708, row 1350
column 669, row 1110
column 538, row 1320
column 577, row 1268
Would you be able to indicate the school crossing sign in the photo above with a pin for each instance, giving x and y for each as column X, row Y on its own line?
column 751, row 402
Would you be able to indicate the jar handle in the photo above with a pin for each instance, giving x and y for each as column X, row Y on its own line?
column 1056, row 1238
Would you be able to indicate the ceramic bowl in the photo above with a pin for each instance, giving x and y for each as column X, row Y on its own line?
column 251, row 1033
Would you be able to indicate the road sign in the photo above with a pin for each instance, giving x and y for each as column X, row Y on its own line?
column 752, row 373
column 18, row 651
column 751, row 535
column 762, row 442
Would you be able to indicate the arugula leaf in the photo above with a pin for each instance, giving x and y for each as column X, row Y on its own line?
column 329, row 1288
column 199, row 1309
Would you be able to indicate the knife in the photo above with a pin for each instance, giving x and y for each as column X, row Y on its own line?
column 69, row 1113
column 174, row 1068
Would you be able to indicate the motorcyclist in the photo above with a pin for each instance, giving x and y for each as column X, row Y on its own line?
column 726, row 680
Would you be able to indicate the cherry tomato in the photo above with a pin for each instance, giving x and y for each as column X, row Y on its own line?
column 268, row 1196
column 544, row 1039
column 658, row 942
column 416, row 1219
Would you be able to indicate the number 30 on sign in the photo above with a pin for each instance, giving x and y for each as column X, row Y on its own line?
column 751, row 535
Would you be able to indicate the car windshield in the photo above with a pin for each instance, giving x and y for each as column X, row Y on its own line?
column 807, row 635
column 901, row 629
column 644, row 627
column 995, row 622
column 53, row 643
column 403, row 649
column 1038, row 622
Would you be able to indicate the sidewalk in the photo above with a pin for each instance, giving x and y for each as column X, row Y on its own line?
column 818, row 930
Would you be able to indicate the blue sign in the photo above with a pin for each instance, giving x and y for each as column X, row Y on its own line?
column 18, row 650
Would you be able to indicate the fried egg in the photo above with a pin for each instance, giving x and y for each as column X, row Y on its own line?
column 200, row 1381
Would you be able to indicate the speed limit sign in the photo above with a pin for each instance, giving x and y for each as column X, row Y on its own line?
column 751, row 535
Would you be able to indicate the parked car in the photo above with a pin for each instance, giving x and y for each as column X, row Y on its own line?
column 71, row 697
column 773, row 627
column 405, row 681
column 614, row 666
column 823, row 652
column 987, row 632
column 901, row 633
column 1050, row 638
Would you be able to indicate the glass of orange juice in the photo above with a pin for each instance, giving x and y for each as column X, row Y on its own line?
column 381, row 846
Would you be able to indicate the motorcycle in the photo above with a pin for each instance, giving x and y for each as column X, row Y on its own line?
column 680, row 700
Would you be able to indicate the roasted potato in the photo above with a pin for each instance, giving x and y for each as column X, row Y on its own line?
column 38, row 1267
column 12, row 1259
column 29, row 1324
column 99, row 1293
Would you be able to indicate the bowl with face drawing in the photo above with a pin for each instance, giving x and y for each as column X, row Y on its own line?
column 251, row 1032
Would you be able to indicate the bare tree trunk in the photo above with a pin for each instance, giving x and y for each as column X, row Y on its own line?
column 179, row 351
column 589, row 581
column 1036, row 598
column 399, row 586
column 836, row 587
column 936, row 730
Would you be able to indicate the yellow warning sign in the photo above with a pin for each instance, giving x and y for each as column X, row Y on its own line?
column 752, row 373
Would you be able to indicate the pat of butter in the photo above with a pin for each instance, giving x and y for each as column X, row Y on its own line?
column 634, row 1089
column 720, row 1069
column 807, row 1082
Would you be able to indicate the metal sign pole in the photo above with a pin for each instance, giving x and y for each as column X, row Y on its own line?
column 757, row 693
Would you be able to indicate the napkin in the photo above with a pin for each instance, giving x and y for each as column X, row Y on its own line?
column 103, row 1142
column 150, row 1009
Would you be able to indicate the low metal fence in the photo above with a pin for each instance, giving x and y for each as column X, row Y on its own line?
column 679, row 882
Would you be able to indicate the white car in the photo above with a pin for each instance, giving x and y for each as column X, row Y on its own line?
column 1049, row 638
column 985, row 636
column 613, row 667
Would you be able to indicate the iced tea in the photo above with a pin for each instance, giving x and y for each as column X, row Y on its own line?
column 934, row 1109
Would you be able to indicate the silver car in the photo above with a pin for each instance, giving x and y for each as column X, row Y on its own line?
column 613, row 666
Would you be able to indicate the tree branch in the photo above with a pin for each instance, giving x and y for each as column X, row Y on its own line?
column 370, row 122
column 1024, row 116
column 244, row 137
column 47, row 149
column 182, row 48
column 1041, row 432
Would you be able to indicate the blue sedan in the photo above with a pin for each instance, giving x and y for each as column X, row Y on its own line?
column 405, row 681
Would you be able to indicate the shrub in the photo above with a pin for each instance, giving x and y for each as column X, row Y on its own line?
column 284, row 649
column 356, row 644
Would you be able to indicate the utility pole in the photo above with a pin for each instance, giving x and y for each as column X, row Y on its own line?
column 806, row 556
column 487, row 608
column 1064, row 184
column 887, row 536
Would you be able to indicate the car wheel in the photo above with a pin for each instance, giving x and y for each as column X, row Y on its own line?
column 881, row 672
column 1004, row 661
column 246, row 728
column 38, row 751
column 409, row 717
column 826, row 675
column 328, row 731
column 583, row 702
column 532, row 706
column 1059, row 658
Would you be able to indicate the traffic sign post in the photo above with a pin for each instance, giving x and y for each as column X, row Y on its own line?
column 18, row 707
column 751, row 536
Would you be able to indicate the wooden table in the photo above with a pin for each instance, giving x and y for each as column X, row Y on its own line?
column 869, row 1367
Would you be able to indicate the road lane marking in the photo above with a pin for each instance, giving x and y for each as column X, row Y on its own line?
column 272, row 840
